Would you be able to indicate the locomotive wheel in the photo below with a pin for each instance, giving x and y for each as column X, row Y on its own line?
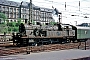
column 63, row 41
column 68, row 40
column 74, row 41
column 36, row 32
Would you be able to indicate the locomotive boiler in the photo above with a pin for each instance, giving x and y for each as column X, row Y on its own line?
column 50, row 34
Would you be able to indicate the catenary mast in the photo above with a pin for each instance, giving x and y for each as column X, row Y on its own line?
column 30, row 12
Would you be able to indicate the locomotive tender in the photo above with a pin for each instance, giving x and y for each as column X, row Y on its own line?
column 50, row 34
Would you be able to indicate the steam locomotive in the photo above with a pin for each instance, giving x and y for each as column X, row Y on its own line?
column 50, row 34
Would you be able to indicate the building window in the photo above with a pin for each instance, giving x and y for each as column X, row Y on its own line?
column 17, row 15
column 3, row 8
column 24, row 10
column 11, row 9
column 0, row 8
column 14, row 15
column 23, row 16
column 6, row 8
column 14, row 9
column 11, row 15
column 27, row 11
column 17, row 10
column 7, row 14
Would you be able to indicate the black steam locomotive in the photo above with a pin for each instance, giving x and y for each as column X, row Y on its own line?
column 50, row 34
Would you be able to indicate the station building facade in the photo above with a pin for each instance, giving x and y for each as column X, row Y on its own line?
column 12, row 11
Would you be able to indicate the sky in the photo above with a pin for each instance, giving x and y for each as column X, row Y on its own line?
column 72, row 8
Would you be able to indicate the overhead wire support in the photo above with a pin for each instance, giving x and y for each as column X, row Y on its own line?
column 79, row 5
column 72, row 6
column 30, row 12
column 65, row 5
column 20, row 10
column 69, row 12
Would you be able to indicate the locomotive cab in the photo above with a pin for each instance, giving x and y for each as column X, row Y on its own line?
column 69, row 32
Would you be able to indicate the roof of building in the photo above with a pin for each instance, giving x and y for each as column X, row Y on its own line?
column 24, row 4
column 10, row 3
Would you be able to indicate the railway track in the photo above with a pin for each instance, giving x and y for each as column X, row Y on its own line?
column 12, row 50
column 50, row 47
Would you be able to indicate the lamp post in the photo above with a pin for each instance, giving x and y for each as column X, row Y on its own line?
column 20, row 9
column 30, row 12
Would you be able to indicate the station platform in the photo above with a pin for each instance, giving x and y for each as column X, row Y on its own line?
column 71, row 54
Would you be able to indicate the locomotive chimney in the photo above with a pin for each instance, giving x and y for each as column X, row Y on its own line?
column 60, row 17
column 59, row 23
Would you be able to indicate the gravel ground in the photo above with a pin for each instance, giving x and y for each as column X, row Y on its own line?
column 53, row 55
